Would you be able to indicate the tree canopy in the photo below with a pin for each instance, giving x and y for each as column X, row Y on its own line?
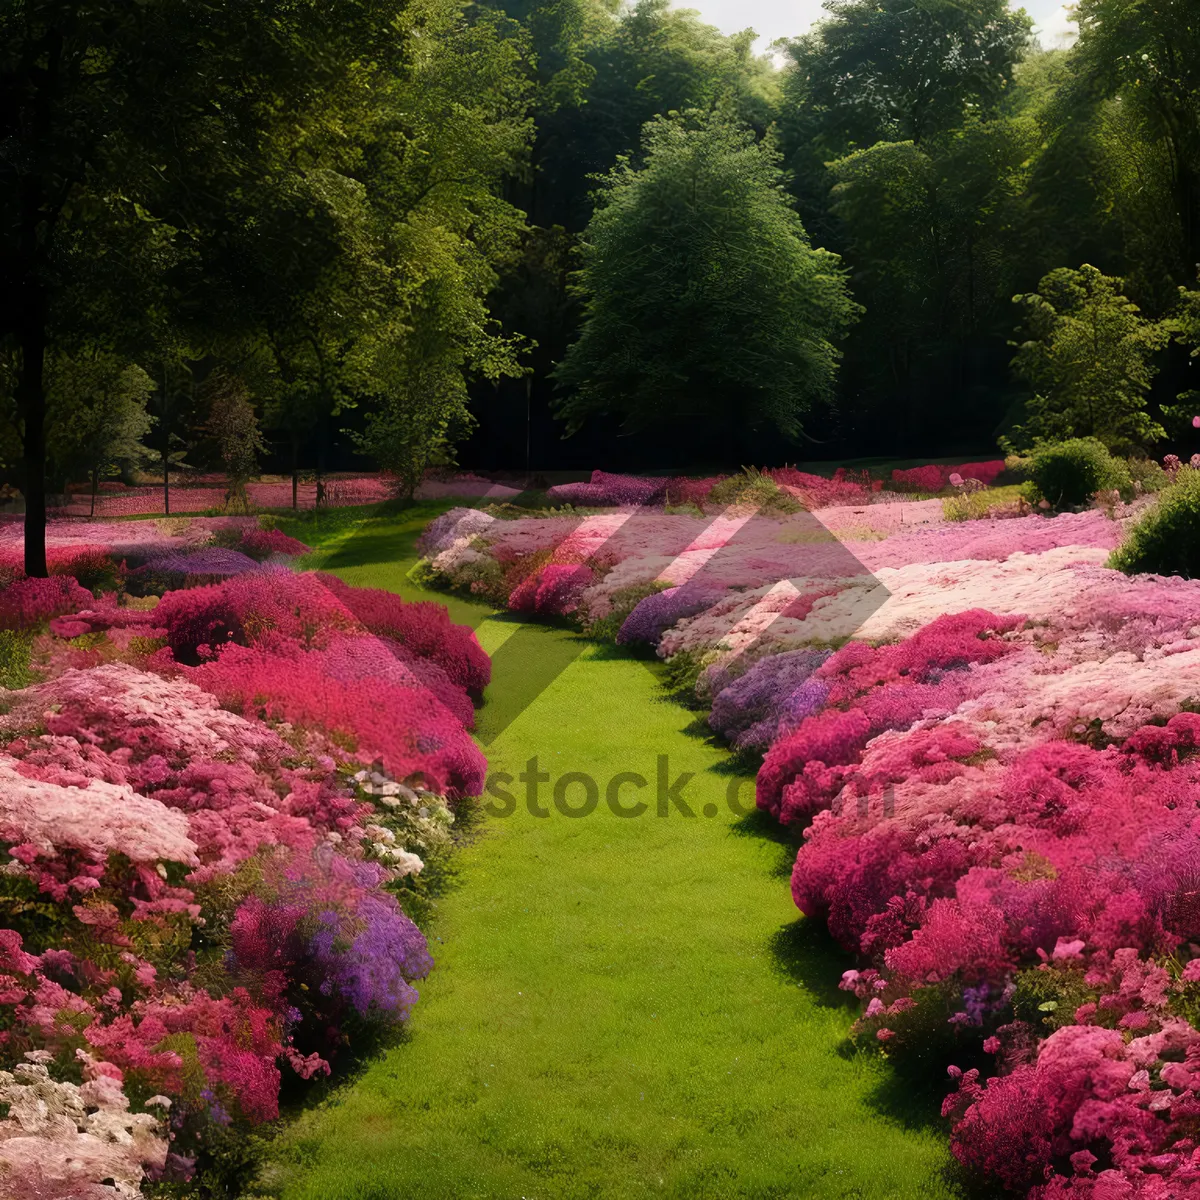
column 402, row 225
column 703, row 298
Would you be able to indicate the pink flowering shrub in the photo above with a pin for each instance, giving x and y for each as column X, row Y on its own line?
column 920, row 479
column 263, row 543
column 934, row 478
column 404, row 727
column 606, row 489
column 262, row 608
column 818, row 492
column 29, row 602
column 551, row 590
column 870, row 691
column 423, row 628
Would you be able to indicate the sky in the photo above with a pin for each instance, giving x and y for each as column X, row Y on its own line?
column 773, row 19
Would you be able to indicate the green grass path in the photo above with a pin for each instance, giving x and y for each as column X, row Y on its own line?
column 621, row 1007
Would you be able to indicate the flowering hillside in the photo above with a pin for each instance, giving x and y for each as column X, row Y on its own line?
column 989, row 740
column 214, row 794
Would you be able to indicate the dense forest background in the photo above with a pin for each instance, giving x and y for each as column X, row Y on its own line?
column 936, row 147
column 311, row 236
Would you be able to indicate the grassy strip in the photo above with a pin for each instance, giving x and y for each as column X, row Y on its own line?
column 622, row 1007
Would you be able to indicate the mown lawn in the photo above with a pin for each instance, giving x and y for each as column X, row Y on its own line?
column 621, row 1007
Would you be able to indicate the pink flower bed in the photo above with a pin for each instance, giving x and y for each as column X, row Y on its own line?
column 817, row 491
column 208, row 809
column 997, row 777
column 191, row 498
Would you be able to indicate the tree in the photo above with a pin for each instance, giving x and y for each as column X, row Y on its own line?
column 1088, row 358
column 704, row 300
column 128, row 129
column 1147, row 57
column 898, row 70
column 931, row 233
column 97, row 416
column 173, row 406
column 1185, row 325
column 233, row 425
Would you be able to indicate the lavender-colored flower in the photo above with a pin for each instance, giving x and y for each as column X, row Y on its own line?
column 749, row 711
column 210, row 560
column 654, row 615
column 371, row 967
column 808, row 699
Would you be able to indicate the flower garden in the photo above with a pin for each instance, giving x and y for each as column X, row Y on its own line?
column 224, row 780
column 987, row 735
column 220, row 780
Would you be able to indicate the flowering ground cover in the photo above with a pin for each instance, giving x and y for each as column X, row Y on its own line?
column 198, row 497
column 986, row 737
column 217, row 798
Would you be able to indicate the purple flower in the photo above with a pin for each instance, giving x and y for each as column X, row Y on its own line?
column 773, row 696
column 210, row 560
column 654, row 615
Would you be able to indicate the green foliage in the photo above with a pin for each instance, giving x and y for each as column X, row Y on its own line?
column 1088, row 358
column 1144, row 61
column 891, row 71
column 703, row 298
column 929, row 228
column 1070, row 473
column 972, row 506
column 1047, row 997
column 97, row 418
column 751, row 487
column 233, row 425
column 1147, row 473
column 1185, row 325
column 1166, row 541
column 15, row 648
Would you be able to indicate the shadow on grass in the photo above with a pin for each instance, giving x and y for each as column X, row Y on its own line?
column 763, row 827
column 804, row 952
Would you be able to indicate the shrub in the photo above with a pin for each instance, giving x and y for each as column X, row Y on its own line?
column 605, row 489
column 1166, row 541
column 756, row 488
column 623, row 602
column 919, row 479
column 251, row 609
column 262, row 543
column 972, row 506
column 423, row 628
column 15, row 646
column 656, row 613
column 1070, row 473
column 1148, row 473
column 773, row 696
column 210, row 564
column 406, row 728
column 28, row 602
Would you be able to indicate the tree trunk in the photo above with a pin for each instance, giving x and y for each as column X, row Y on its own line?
column 95, row 484
column 295, row 470
column 31, row 402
